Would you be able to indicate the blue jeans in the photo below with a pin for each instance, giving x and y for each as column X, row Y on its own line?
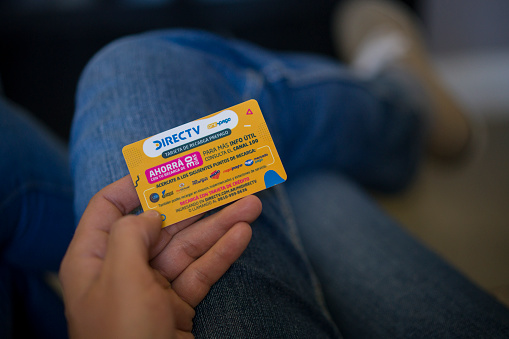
column 37, row 224
column 324, row 260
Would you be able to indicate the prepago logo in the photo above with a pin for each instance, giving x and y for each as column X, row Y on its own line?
column 181, row 135
column 225, row 121
column 219, row 123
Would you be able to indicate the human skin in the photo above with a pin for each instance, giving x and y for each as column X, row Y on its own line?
column 124, row 276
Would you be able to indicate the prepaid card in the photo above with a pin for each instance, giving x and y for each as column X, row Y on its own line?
column 205, row 163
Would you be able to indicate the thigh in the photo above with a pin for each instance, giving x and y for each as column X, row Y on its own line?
column 378, row 281
column 36, row 193
column 271, row 291
column 318, row 113
column 37, row 224
column 142, row 85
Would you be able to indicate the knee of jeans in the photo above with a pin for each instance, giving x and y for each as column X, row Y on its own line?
column 135, row 52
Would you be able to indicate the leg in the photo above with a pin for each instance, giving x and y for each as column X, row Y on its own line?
column 271, row 291
column 378, row 281
column 36, row 197
column 37, row 217
column 143, row 85
column 140, row 86
column 376, row 36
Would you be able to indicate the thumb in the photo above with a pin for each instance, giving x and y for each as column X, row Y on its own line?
column 129, row 243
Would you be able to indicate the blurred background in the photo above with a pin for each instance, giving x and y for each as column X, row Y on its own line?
column 460, row 210
column 46, row 43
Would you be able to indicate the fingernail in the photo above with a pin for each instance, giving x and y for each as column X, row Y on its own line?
column 152, row 214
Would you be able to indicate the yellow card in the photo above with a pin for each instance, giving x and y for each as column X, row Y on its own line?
column 205, row 163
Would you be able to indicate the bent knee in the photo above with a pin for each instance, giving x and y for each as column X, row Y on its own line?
column 145, row 51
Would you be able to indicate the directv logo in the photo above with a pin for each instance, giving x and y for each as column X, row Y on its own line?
column 177, row 137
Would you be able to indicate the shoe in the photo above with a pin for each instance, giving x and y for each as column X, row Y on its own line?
column 372, row 35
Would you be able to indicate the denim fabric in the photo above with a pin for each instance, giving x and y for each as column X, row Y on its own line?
column 37, row 223
column 318, row 113
column 324, row 261
column 378, row 281
column 271, row 290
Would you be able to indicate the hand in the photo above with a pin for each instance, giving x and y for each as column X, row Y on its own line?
column 110, row 288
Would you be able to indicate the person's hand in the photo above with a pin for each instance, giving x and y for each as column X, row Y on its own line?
column 117, row 271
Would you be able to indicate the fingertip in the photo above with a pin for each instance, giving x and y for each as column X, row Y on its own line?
column 152, row 219
column 145, row 224
column 251, row 207
column 151, row 214
column 238, row 238
column 132, row 237
column 244, row 232
column 121, row 194
column 256, row 203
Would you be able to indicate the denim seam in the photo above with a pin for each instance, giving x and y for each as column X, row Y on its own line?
column 286, row 211
column 276, row 71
